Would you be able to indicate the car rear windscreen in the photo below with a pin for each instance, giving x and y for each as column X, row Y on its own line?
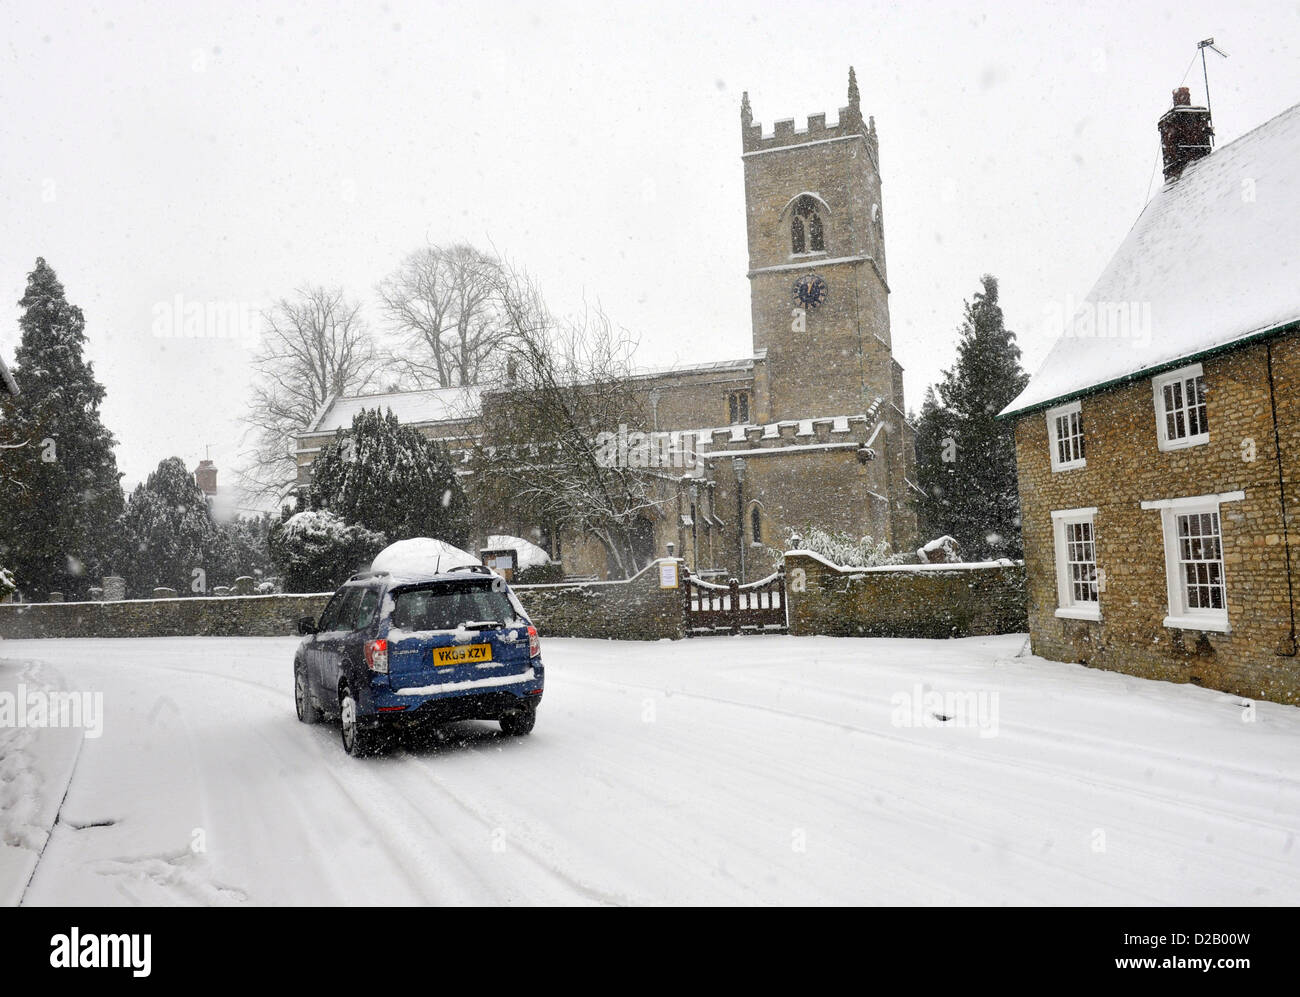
column 445, row 606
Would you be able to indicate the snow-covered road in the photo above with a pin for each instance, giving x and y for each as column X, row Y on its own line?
column 720, row 770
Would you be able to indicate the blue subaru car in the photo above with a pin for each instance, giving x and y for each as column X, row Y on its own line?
column 395, row 652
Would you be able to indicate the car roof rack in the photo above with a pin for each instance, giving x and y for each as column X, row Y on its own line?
column 362, row 575
column 478, row 569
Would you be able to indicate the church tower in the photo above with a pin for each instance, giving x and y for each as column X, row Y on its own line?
column 819, row 291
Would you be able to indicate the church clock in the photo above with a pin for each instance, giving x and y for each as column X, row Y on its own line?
column 810, row 290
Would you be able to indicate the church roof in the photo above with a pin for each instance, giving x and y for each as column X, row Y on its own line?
column 1211, row 262
column 422, row 406
column 412, row 408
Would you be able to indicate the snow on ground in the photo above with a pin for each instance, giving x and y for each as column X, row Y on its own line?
column 738, row 770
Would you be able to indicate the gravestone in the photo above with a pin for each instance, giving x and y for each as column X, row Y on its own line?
column 96, row 594
column 221, row 590
column 55, row 597
column 114, row 588
column 162, row 592
column 244, row 585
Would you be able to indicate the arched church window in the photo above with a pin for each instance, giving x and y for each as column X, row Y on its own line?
column 815, row 238
column 756, row 525
column 807, row 214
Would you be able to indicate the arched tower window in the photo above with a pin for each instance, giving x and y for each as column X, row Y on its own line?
column 756, row 524
column 806, row 213
column 815, row 232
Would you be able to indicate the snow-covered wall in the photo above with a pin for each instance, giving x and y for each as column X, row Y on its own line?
column 212, row 616
column 636, row 609
column 932, row 600
column 910, row 600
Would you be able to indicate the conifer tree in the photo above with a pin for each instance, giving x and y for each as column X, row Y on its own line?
column 391, row 479
column 966, row 457
column 59, row 488
column 168, row 536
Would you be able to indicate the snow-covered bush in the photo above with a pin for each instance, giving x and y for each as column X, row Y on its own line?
column 843, row 548
column 941, row 550
column 8, row 586
column 318, row 551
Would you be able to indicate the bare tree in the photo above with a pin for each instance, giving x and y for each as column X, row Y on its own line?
column 314, row 346
column 539, row 457
column 443, row 306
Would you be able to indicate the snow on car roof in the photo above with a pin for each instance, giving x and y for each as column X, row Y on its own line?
column 1211, row 261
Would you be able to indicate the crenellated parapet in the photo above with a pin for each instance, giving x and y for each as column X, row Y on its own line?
column 784, row 133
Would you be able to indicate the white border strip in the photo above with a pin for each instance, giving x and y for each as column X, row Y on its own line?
column 1178, row 503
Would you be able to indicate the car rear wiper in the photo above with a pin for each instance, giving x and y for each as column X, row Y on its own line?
column 482, row 624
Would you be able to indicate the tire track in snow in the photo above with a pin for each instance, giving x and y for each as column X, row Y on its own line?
column 1113, row 786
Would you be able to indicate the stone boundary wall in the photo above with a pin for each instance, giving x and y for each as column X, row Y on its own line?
column 908, row 600
column 636, row 609
column 199, row 616
column 936, row 600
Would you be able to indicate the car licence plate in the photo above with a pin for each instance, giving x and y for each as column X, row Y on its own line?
column 465, row 654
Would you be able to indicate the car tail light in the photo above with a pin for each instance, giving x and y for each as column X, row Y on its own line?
column 534, row 643
column 377, row 656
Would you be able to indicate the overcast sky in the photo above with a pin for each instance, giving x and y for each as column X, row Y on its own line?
column 229, row 152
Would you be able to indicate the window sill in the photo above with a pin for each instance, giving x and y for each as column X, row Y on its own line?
column 1077, row 613
column 1187, row 444
column 809, row 255
column 1071, row 466
column 1210, row 623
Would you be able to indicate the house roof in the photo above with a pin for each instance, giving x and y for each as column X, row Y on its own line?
column 7, row 383
column 1211, row 262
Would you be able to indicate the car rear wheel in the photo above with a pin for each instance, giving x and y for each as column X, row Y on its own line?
column 516, row 723
column 308, row 712
column 358, row 740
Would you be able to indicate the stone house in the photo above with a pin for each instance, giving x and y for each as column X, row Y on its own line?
column 1157, row 446
column 809, row 427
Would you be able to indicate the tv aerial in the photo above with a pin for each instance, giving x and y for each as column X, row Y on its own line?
column 1202, row 46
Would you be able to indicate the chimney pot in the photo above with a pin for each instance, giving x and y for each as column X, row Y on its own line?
column 1186, row 134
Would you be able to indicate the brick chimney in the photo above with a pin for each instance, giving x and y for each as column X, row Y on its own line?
column 205, row 476
column 1185, row 134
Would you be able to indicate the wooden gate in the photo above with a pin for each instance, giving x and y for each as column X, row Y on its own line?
column 757, row 607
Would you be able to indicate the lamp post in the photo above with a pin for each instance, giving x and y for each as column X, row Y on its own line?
column 738, row 465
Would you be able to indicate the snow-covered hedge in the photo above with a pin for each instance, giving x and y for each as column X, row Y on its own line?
column 8, row 586
column 843, row 548
column 318, row 551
